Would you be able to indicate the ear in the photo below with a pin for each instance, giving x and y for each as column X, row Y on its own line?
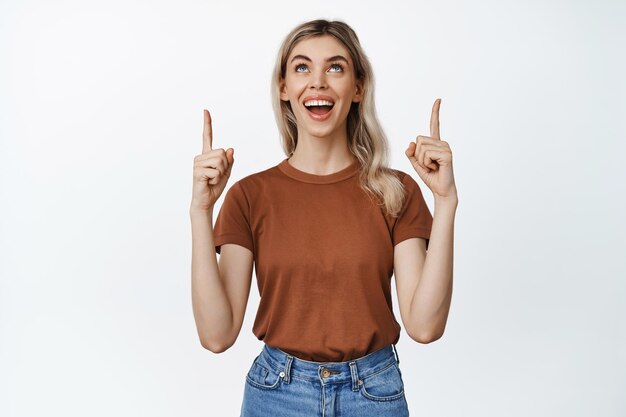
column 358, row 95
column 283, row 90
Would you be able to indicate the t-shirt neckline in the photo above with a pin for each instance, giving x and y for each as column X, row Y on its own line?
column 302, row 176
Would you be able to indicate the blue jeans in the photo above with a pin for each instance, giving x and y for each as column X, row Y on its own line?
column 281, row 385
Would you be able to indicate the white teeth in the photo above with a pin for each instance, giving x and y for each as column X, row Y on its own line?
column 318, row 103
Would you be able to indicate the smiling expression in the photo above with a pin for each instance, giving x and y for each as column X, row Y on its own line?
column 319, row 71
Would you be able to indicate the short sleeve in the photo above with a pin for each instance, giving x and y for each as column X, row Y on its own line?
column 415, row 219
column 233, row 221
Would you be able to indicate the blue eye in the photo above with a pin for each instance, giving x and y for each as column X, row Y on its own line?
column 337, row 66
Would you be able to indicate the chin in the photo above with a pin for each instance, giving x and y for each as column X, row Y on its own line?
column 320, row 133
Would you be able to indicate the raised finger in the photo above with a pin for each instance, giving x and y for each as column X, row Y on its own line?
column 434, row 120
column 207, row 133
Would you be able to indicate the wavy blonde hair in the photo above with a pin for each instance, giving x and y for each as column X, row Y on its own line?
column 366, row 139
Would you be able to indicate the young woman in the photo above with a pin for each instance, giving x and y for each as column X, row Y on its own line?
column 326, row 228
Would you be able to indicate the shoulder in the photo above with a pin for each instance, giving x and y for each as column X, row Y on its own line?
column 254, row 183
column 407, row 179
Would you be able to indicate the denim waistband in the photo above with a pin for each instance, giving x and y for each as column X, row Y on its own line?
column 330, row 372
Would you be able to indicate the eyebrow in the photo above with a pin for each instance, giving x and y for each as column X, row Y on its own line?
column 332, row 58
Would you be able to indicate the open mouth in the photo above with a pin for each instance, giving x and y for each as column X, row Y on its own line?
column 319, row 107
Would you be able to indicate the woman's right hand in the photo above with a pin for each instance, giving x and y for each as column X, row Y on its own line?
column 211, row 170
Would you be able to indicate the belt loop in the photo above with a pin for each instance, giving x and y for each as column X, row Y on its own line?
column 288, row 369
column 355, row 376
column 395, row 351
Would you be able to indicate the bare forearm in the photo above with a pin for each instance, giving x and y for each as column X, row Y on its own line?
column 431, row 301
column 211, row 307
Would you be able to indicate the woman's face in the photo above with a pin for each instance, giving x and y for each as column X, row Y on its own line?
column 319, row 72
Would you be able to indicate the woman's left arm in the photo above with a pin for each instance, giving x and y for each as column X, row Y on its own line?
column 430, row 302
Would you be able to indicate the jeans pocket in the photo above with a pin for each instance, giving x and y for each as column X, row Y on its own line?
column 384, row 385
column 262, row 375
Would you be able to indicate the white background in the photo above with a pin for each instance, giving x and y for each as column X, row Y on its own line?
column 101, row 116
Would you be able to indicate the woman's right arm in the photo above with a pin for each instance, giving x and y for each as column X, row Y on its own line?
column 219, row 292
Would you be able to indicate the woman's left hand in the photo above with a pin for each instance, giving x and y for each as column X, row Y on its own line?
column 432, row 159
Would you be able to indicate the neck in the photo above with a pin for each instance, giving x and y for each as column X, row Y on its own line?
column 322, row 155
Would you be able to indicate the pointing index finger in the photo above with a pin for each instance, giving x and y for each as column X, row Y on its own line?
column 434, row 120
column 207, row 133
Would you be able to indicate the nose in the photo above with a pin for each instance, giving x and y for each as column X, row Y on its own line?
column 318, row 80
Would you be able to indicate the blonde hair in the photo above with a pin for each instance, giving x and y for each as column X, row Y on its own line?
column 366, row 139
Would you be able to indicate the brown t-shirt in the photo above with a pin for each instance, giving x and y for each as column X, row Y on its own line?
column 323, row 254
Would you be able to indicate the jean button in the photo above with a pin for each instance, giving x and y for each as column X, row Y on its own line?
column 325, row 373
